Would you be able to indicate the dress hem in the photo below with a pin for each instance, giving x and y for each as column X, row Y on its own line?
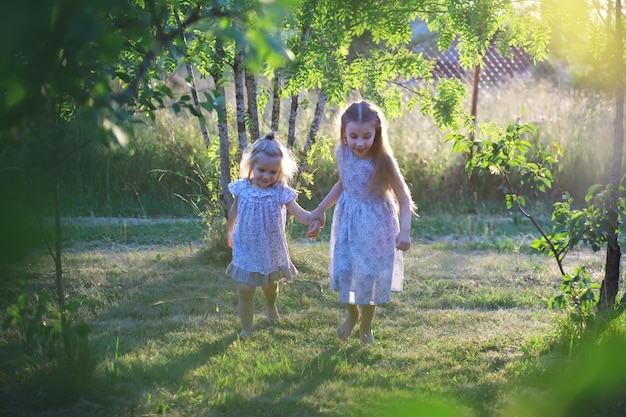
column 258, row 279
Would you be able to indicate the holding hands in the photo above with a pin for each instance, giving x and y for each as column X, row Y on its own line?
column 317, row 219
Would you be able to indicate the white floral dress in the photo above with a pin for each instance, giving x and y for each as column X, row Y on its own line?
column 365, row 266
column 260, row 253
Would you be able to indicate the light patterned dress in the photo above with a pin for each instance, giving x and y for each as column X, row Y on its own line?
column 365, row 266
column 260, row 253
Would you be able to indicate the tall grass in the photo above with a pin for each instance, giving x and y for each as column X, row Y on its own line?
column 580, row 121
column 129, row 181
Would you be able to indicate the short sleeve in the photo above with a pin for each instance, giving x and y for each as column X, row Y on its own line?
column 236, row 187
column 287, row 194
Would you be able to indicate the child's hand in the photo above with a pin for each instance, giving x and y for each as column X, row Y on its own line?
column 229, row 238
column 317, row 219
column 403, row 241
column 318, row 215
column 315, row 225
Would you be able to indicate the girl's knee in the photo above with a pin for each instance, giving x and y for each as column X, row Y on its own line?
column 245, row 289
column 271, row 287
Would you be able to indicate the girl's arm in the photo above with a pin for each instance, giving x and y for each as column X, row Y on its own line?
column 317, row 219
column 298, row 212
column 406, row 205
column 330, row 200
column 230, row 225
column 303, row 216
column 403, row 240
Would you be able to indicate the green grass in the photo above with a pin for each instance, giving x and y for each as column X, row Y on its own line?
column 132, row 231
column 471, row 335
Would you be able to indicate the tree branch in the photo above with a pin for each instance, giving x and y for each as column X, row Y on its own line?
column 533, row 221
column 162, row 40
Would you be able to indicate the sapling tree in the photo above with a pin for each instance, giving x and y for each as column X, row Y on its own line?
column 590, row 36
column 509, row 154
column 598, row 29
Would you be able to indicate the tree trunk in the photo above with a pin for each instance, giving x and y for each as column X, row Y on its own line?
column 610, row 285
column 222, row 127
column 474, row 111
column 253, row 111
column 293, row 113
column 58, row 262
column 240, row 99
column 194, row 90
column 313, row 130
column 276, row 102
column 475, row 84
column 308, row 9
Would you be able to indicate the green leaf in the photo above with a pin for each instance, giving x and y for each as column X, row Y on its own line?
column 15, row 92
column 123, row 76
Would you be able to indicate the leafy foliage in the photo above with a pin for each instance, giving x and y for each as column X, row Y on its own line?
column 578, row 298
column 588, row 225
column 504, row 153
column 583, row 35
column 41, row 327
column 476, row 24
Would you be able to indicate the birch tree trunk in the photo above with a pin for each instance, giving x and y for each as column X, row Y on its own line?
column 253, row 111
column 240, row 99
column 313, row 130
column 293, row 114
column 196, row 105
column 308, row 11
column 194, row 90
column 222, row 127
column 276, row 102
column 610, row 285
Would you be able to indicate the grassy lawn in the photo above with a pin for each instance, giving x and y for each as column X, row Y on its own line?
column 469, row 335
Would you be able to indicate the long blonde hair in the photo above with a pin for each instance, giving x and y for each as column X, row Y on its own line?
column 270, row 146
column 387, row 176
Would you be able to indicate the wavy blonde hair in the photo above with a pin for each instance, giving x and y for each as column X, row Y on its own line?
column 270, row 146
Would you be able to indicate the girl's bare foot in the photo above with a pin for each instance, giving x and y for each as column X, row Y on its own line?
column 367, row 338
column 272, row 315
column 271, row 293
column 346, row 327
column 365, row 330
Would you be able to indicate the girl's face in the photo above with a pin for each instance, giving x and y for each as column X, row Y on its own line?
column 266, row 170
column 360, row 138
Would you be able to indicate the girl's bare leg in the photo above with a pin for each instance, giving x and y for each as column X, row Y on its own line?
column 246, row 308
column 346, row 327
column 271, row 293
column 365, row 331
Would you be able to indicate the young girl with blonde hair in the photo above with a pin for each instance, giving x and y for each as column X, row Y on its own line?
column 256, row 226
column 367, row 238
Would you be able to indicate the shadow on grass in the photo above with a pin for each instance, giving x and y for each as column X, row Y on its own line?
column 288, row 397
column 314, row 391
column 315, row 385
